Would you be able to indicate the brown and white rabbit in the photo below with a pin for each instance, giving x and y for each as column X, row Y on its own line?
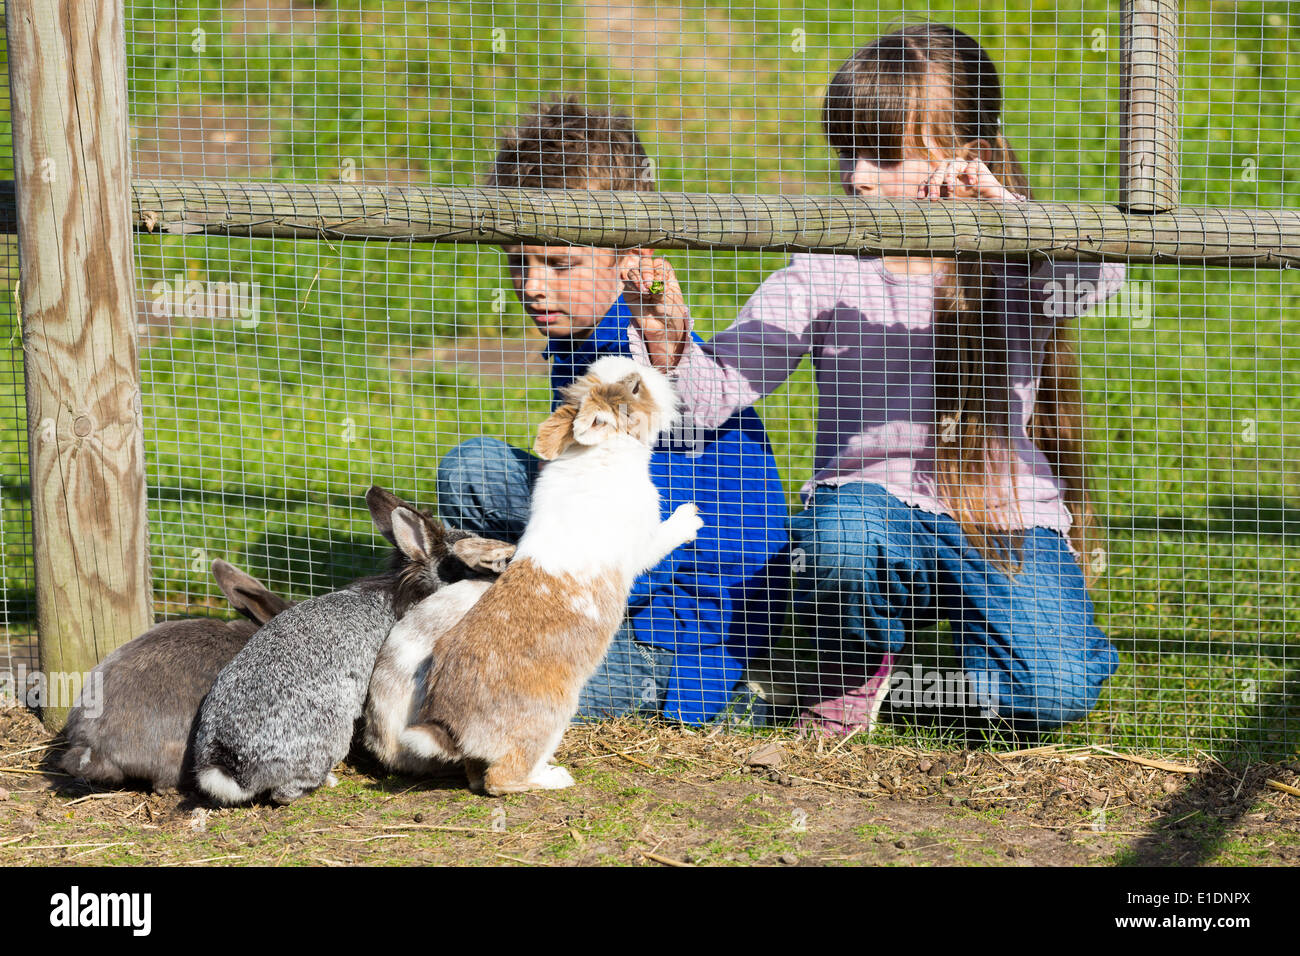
column 150, row 689
column 506, row 678
column 397, row 684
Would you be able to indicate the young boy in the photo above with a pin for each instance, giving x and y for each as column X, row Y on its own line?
column 695, row 618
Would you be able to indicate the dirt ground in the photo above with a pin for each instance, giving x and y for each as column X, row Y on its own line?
column 655, row 794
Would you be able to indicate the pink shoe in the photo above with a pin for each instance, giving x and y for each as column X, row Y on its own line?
column 855, row 712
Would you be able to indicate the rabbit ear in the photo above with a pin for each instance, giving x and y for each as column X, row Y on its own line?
column 246, row 594
column 556, row 433
column 483, row 554
column 412, row 534
column 382, row 503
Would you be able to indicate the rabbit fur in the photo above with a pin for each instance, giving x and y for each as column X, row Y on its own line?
column 283, row 712
column 506, row 678
column 397, row 684
column 149, row 690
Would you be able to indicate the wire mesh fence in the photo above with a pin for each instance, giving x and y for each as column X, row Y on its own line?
column 17, row 597
column 281, row 376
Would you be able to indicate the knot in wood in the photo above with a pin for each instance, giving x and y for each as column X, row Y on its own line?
column 83, row 425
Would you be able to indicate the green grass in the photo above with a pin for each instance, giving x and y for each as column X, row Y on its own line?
column 260, row 440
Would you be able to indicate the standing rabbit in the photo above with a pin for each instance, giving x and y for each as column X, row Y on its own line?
column 282, row 714
column 135, row 717
column 506, row 678
column 397, row 685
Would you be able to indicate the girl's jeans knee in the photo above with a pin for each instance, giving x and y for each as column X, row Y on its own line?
column 1034, row 635
column 863, row 571
column 870, row 570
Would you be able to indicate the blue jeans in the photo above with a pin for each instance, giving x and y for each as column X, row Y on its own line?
column 484, row 486
column 870, row 569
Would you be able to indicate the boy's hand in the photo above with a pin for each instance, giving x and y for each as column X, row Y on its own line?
column 658, row 307
column 965, row 179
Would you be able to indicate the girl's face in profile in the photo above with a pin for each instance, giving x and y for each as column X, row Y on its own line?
column 899, row 179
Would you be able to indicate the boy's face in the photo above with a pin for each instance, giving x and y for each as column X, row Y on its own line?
column 566, row 290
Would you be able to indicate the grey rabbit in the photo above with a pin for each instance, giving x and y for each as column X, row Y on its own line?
column 135, row 716
column 283, row 712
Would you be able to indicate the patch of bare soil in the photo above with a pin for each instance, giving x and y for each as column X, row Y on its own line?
column 653, row 793
column 204, row 142
column 485, row 357
column 236, row 143
column 641, row 38
column 259, row 17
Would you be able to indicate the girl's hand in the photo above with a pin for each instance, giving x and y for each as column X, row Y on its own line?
column 965, row 179
column 658, row 307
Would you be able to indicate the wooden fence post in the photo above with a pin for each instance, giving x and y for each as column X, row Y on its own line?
column 67, row 76
column 1149, row 174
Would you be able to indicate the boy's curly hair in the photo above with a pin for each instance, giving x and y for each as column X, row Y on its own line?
column 564, row 144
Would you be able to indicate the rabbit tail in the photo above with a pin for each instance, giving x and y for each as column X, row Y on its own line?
column 222, row 787
column 431, row 741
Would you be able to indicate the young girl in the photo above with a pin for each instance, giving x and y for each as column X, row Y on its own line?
column 949, row 463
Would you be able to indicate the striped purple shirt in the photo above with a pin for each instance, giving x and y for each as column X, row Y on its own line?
column 870, row 334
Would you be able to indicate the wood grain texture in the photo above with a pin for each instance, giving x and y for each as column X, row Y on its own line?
column 67, row 71
column 1087, row 231
column 1149, row 154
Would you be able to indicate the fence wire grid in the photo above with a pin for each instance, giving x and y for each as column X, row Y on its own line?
column 283, row 376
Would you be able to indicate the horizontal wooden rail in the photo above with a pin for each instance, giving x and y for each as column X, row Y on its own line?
column 1091, row 231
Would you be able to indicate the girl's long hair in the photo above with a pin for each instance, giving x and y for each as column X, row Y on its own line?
column 933, row 81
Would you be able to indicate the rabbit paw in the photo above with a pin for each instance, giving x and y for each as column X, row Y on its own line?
column 552, row 778
column 687, row 521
